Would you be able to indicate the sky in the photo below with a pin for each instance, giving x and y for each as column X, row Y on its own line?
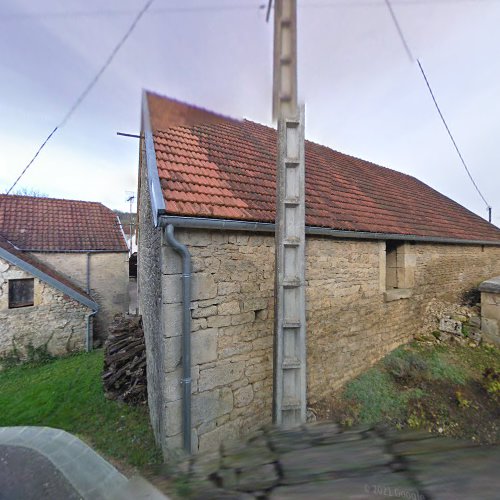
column 362, row 93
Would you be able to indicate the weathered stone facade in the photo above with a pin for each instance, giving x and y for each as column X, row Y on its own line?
column 149, row 291
column 352, row 320
column 490, row 310
column 55, row 321
column 108, row 276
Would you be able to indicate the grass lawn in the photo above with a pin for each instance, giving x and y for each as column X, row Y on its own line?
column 67, row 394
column 439, row 388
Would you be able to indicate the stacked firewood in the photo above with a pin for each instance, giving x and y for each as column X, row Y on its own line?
column 124, row 375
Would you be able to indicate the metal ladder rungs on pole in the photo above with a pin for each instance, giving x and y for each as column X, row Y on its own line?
column 290, row 351
column 291, row 364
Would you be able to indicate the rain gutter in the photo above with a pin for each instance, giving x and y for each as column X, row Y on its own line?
column 156, row 195
column 269, row 227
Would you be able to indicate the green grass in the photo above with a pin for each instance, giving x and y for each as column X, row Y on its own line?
column 437, row 387
column 67, row 394
column 378, row 396
column 442, row 367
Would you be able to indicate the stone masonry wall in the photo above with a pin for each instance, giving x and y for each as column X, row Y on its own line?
column 55, row 320
column 350, row 326
column 108, row 281
column 350, row 323
column 149, row 294
column 232, row 325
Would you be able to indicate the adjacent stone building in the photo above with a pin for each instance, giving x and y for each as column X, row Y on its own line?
column 40, row 308
column 79, row 240
column 382, row 248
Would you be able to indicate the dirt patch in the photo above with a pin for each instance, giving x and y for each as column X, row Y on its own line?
column 441, row 389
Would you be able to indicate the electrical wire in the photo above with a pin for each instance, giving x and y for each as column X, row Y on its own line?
column 87, row 89
column 450, row 134
column 400, row 31
column 410, row 56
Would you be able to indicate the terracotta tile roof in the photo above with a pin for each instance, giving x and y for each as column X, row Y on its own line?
column 228, row 170
column 33, row 261
column 49, row 225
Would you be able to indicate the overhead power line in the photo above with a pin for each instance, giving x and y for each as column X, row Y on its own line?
column 87, row 89
column 410, row 56
column 450, row 134
column 399, row 30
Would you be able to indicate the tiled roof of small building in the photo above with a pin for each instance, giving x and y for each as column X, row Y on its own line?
column 53, row 225
column 48, row 271
column 227, row 169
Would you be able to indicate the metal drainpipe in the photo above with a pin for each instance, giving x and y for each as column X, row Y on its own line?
column 183, row 251
column 88, row 273
column 89, row 339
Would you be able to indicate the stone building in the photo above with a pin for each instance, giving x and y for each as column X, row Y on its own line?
column 381, row 248
column 79, row 240
column 40, row 308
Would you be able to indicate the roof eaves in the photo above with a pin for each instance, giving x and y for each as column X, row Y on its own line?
column 158, row 203
column 58, row 250
column 29, row 268
column 269, row 227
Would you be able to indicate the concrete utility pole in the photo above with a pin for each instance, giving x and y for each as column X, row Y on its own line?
column 289, row 399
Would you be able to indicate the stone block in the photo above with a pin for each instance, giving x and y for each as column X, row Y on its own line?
column 254, row 304
column 172, row 288
column 210, row 405
column 171, row 262
column 219, row 321
column 204, row 346
column 173, row 418
column 450, row 326
column 195, row 238
column 172, row 320
column 243, row 318
column 490, row 327
column 234, row 350
column 172, row 385
column 203, row 349
column 227, row 308
column 173, row 446
column 228, row 287
column 204, row 312
column 243, row 396
column 226, row 433
column 198, row 324
column 203, row 286
column 220, row 375
column 172, row 353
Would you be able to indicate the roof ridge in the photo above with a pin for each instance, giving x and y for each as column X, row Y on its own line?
column 3, row 195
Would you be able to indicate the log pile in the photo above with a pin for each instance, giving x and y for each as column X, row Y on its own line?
column 124, row 375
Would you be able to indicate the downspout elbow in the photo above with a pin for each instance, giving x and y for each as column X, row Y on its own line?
column 183, row 251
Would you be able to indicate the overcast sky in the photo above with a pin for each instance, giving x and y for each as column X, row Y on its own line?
column 363, row 95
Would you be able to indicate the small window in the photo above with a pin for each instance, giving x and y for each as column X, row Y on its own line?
column 21, row 293
column 400, row 265
column 394, row 266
